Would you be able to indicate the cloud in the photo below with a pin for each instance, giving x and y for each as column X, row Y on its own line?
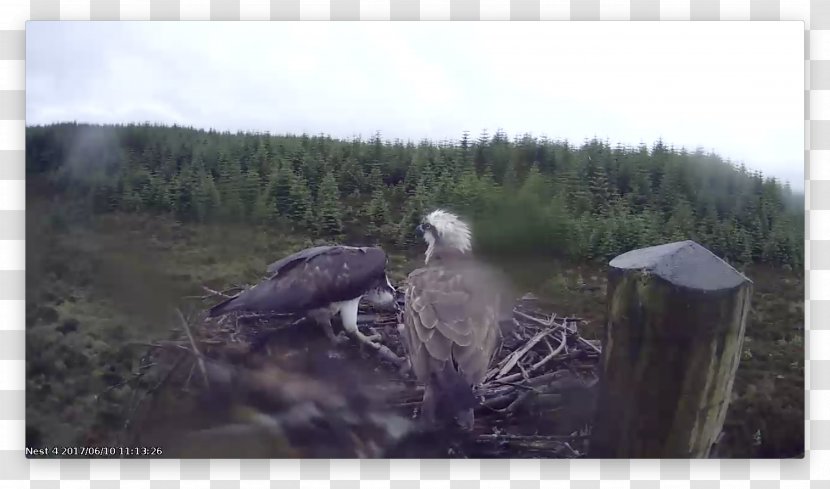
column 736, row 88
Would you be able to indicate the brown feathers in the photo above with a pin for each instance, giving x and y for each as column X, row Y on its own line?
column 311, row 279
column 451, row 322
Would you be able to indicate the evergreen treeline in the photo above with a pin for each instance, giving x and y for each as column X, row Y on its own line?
column 529, row 195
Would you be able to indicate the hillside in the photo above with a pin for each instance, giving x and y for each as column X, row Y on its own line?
column 124, row 222
column 525, row 195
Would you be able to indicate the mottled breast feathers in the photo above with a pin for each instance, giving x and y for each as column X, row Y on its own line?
column 451, row 319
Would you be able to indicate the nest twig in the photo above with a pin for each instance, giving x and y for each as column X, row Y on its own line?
column 542, row 363
column 224, row 294
column 199, row 359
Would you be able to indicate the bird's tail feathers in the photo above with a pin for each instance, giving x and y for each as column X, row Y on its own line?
column 454, row 396
column 224, row 307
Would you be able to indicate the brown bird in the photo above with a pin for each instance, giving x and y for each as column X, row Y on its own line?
column 451, row 320
column 320, row 283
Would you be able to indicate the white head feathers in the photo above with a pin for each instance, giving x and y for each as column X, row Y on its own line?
column 446, row 230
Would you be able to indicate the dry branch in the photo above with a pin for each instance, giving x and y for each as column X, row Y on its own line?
column 514, row 357
column 193, row 345
column 541, row 362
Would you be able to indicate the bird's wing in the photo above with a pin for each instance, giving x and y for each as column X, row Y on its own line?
column 450, row 318
column 310, row 279
column 284, row 264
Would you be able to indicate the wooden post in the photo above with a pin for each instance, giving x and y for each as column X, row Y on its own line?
column 673, row 340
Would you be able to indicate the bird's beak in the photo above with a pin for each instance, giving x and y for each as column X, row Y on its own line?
column 419, row 230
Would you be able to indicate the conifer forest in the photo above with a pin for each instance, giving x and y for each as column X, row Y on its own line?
column 588, row 201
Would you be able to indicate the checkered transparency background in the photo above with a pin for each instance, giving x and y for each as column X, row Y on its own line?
column 17, row 471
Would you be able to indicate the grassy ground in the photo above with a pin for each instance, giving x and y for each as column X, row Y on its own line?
column 95, row 287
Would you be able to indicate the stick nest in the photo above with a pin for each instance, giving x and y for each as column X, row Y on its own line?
column 272, row 386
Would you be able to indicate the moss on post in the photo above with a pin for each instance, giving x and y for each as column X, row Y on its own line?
column 673, row 340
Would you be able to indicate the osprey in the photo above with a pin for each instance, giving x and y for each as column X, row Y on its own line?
column 451, row 320
column 320, row 282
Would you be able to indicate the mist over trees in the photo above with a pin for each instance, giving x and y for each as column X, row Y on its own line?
column 526, row 195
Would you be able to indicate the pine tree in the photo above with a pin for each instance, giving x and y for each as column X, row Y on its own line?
column 301, row 210
column 650, row 229
column 281, row 187
column 744, row 244
column 576, row 194
column 627, row 228
column 329, row 219
column 464, row 150
column 444, row 188
column 206, row 200
column 534, row 189
column 313, row 168
column 480, row 159
column 168, row 167
column 413, row 213
column 681, row 224
column 669, row 189
column 598, row 188
column 130, row 199
column 181, row 190
column 262, row 163
column 157, row 194
column 510, row 179
column 707, row 229
column 467, row 194
column 229, row 185
column 264, row 211
column 351, row 176
column 375, row 180
column 378, row 216
column 249, row 193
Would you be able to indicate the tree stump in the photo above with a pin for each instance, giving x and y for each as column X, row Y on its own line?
column 673, row 340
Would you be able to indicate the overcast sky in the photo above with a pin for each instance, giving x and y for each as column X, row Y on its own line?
column 733, row 87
